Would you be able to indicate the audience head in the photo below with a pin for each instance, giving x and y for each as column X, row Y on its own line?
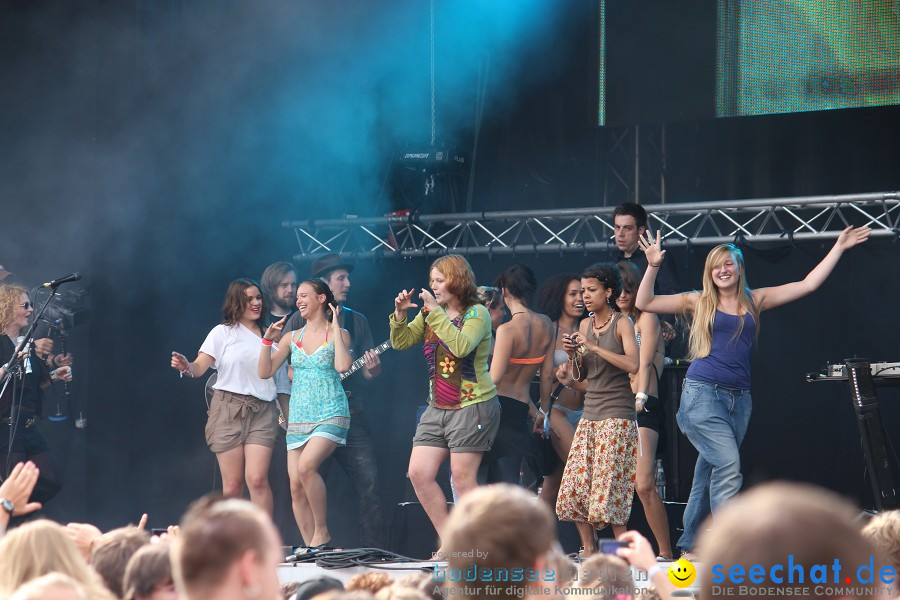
column 401, row 592
column 148, row 575
column 369, row 582
column 41, row 547
column 609, row 577
column 319, row 588
column 112, row 552
column 773, row 521
column 279, row 285
column 883, row 530
column 226, row 547
column 517, row 282
column 53, row 586
column 458, row 280
column 560, row 294
column 489, row 519
column 629, row 223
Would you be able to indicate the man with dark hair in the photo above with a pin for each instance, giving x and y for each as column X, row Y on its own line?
column 357, row 458
column 629, row 224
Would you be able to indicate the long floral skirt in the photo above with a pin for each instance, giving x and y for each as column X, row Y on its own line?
column 598, row 483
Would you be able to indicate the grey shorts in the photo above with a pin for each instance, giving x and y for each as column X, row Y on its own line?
column 469, row 429
column 237, row 419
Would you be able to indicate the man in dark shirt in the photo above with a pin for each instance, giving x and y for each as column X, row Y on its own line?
column 630, row 223
column 357, row 458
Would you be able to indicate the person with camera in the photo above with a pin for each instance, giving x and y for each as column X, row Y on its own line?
column 21, row 404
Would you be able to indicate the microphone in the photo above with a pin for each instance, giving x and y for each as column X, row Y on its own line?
column 676, row 362
column 62, row 280
column 27, row 351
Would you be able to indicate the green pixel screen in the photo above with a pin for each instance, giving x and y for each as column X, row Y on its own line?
column 781, row 56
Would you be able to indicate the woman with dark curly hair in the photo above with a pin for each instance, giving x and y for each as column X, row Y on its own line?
column 598, row 482
column 242, row 422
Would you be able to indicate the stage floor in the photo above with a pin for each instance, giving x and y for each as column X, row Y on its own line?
column 308, row 570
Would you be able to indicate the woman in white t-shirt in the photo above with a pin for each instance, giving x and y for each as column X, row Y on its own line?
column 243, row 419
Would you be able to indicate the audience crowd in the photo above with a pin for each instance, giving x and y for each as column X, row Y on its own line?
column 776, row 539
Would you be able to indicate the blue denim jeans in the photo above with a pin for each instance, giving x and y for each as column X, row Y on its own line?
column 714, row 418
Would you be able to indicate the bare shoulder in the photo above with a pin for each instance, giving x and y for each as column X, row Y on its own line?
column 584, row 325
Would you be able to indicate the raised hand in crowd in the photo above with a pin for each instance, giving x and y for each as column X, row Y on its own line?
column 17, row 490
column 639, row 553
column 83, row 535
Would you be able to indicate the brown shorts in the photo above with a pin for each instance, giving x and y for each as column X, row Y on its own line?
column 236, row 419
column 469, row 429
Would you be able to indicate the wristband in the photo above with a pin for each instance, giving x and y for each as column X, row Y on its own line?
column 642, row 397
column 653, row 570
column 266, row 342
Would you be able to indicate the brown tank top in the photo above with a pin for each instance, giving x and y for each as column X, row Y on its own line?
column 609, row 394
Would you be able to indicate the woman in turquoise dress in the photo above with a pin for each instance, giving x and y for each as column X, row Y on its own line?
column 319, row 415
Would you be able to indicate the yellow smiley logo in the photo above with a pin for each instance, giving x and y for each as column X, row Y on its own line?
column 682, row 573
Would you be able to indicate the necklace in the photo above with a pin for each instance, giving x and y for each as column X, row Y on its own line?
column 520, row 312
column 605, row 323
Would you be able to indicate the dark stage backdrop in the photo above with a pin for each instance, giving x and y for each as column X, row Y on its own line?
column 157, row 147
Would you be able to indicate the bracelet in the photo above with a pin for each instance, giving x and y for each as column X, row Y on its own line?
column 267, row 342
column 650, row 264
column 653, row 570
column 188, row 371
column 51, row 373
column 642, row 397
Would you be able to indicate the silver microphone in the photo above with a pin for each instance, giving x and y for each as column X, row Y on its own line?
column 27, row 351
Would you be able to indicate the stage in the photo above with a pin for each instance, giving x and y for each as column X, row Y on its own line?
column 303, row 571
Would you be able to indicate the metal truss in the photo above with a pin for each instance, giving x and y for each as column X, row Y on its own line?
column 635, row 165
column 591, row 229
